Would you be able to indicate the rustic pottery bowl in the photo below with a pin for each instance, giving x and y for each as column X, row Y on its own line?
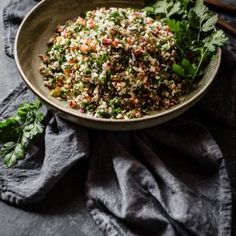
column 32, row 40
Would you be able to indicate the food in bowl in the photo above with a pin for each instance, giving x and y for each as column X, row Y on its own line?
column 116, row 63
column 113, row 63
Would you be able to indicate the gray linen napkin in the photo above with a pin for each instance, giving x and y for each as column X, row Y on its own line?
column 166, row 180
column 47, row 159
column 12, row 17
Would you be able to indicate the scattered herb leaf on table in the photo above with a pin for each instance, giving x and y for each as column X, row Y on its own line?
column 17, row 131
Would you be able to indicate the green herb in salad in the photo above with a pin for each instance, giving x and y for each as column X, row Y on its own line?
column 197, row 38
column 17, row 131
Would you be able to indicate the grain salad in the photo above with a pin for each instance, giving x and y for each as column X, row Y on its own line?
column 113, row 63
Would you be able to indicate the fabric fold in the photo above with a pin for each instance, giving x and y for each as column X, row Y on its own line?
column 169, row 183
column 13, row 14
column 48, row 157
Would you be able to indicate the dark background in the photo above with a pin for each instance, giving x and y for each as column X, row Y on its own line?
column 63, row 212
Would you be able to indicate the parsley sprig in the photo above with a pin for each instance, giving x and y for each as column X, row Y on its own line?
column 17, row 131
column 197, row 38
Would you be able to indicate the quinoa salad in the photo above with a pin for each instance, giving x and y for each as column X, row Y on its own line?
column 113, row 63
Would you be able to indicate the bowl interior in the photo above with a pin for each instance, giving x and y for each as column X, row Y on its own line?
column 39, row 26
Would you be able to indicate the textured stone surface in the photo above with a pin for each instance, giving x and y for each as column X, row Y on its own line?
column 63, row 212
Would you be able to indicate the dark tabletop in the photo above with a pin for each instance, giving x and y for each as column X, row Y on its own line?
column 63, row 212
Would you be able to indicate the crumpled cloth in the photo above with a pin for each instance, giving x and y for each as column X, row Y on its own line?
column 166, row 180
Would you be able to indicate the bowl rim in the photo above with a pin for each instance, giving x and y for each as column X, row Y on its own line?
column 76, row 114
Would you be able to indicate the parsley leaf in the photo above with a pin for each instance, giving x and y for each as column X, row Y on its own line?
column 205, row 19
column 9, row 129
column 185, row 69
column 216, row 39
column 196, row 36
column 12, row 152
column 210, row 24
column 165, row 8
column 17, row 131
column 178, row 70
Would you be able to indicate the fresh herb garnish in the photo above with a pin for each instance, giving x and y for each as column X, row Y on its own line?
column 164, row 8
column 17, row 131
column 195, row 33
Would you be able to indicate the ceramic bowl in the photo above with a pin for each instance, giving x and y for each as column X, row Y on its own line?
column 31, row 41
